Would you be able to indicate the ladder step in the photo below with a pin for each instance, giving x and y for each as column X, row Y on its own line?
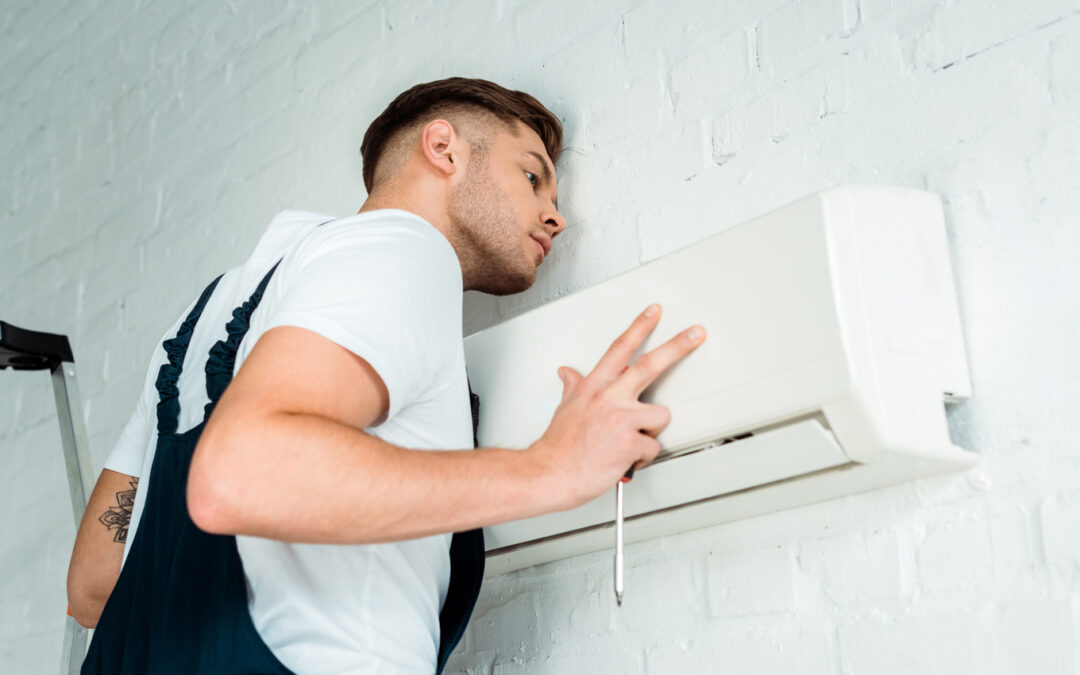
column 22, row 349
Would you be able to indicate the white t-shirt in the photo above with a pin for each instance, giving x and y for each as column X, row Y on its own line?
column 387, row 286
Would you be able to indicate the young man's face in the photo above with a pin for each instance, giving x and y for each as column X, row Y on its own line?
column 505, row 211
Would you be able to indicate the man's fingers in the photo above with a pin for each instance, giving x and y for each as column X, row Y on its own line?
column 649, row 448
column 570, row 379
column 653, row 419
column 649, row 366
column 618, row 355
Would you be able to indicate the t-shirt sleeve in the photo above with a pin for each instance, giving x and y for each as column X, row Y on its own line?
column 128, row 454
column 130, row 449
column 384, row 293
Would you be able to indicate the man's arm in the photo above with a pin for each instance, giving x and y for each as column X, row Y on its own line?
column 99, row 546
column 284, row 455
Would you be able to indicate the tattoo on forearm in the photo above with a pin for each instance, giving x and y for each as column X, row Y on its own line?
column 119, row 517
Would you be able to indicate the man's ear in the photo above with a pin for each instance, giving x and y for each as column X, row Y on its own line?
column 439, row 143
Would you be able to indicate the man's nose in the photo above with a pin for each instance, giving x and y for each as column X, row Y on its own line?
column 554, row 221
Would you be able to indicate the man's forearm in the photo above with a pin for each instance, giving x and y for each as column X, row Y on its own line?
column 99, row 545
column 304, row 478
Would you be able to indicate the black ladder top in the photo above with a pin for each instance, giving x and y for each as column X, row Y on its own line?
column 22, row 349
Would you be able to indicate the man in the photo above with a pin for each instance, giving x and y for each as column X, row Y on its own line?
column 303, row 526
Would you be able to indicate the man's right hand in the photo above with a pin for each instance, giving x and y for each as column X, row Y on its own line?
column 601, row 428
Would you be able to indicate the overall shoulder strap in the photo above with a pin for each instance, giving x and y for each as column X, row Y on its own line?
column 466, row 572
column 222, row 359
column 168, row 407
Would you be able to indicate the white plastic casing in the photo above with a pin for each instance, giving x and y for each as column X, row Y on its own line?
column 833, row 340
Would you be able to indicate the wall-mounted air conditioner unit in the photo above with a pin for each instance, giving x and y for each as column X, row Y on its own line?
column 834, row 340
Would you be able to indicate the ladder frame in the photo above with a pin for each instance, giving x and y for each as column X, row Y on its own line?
column 30, row 350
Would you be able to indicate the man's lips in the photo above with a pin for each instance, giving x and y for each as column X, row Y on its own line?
column 545, row 244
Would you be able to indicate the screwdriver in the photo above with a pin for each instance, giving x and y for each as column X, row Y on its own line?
column 618, row 534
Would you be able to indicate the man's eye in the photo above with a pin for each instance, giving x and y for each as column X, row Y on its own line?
column 531, row 177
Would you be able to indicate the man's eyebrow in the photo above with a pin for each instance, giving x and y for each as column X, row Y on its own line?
column 545, row 172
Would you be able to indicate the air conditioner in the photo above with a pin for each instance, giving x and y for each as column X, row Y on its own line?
column 834, row 342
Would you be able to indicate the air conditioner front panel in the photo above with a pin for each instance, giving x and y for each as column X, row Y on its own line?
column 764, row 294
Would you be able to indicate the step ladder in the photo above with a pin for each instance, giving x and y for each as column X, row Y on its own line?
column 30, row 350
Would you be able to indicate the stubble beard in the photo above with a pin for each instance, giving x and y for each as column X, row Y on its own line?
column 490, row 255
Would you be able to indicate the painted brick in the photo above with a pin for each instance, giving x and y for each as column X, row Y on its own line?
column 737, row 646
column 678, row 29
column 1065, row 79
column 1060, row 515
column 35, row 407
column 328, row 56
column 26, row 654
column 110, row 403
column 670, row 592
column 1018, row 574
column 627, row 111
column 710, row 74
column 636, row 177
column 570, row 23
column 1033, row 637
column 592, row 661
column 754, row 582
column 789, row 108
column 274, row 49
column 964, row 29
column 599, row 46
column 774, row 648
column 510, row 619
column 937, row 644
column 40, row 32
column 692, row 211
column 870, row 10
column 856, row 568
column 678, row 656
column 956, row 555
column 327, row 18
column 797, row 28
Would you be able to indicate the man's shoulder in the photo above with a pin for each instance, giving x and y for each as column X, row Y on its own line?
column 283, row 232
column 383, row 237
column 377, row 225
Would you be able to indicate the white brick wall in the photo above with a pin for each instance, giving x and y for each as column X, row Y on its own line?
column 144, row 145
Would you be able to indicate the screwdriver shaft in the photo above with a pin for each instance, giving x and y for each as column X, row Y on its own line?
column 619, row 542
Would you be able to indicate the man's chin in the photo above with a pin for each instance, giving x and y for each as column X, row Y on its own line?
column 509, row 285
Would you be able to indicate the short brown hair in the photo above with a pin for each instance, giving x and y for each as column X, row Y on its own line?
column 412, row 105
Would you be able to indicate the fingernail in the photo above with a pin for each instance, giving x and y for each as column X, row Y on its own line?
column 696, row 333
column 652, row 310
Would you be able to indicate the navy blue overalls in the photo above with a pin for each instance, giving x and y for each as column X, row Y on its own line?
column 180, row 603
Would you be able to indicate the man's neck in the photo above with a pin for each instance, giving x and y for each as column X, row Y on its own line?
column 415, row 198
column 433, row 213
